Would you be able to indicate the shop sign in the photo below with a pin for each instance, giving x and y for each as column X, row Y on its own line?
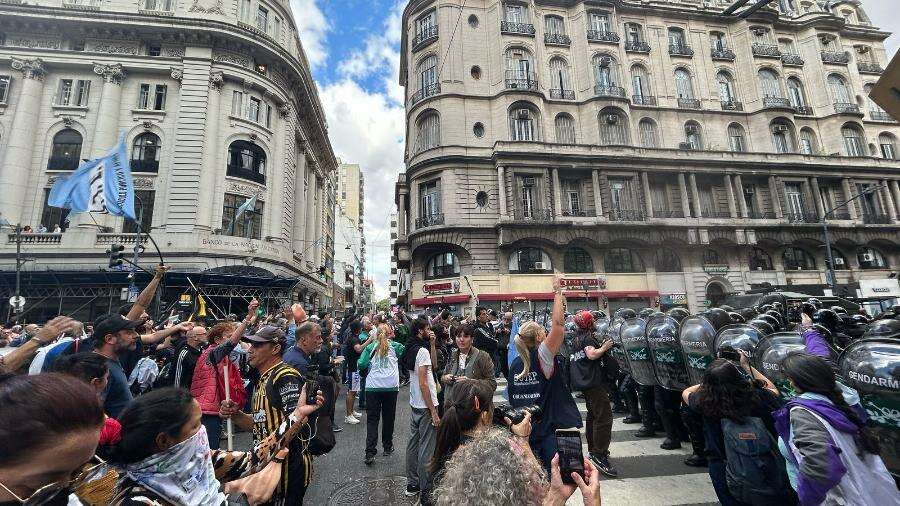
column 597, row 283
column 879, row 287
column 715, row 269
column 439, row 288
column 674, row 299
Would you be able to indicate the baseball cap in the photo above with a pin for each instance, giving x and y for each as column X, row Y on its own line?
column 266, row 334
column 114, row 323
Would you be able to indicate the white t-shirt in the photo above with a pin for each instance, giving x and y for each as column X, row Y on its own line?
column 423, row 357
column 462, row 361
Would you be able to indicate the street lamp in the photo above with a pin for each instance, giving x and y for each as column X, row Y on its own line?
column 829, row 274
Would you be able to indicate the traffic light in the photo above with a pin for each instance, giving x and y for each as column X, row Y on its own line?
column 115, row 253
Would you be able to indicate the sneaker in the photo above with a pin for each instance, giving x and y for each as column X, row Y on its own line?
column 411, row 491
column 352, row 420
column 604, row 466
column 670, row 444
column 370, row 459
column 336, row 428
column 357, row 414
column 388, row 451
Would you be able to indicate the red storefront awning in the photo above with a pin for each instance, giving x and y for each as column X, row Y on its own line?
column 619, row 294
column 441, row 299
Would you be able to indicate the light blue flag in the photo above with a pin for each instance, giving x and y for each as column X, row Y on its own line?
column 103, row 185
column 512, row 352
column 248, row 204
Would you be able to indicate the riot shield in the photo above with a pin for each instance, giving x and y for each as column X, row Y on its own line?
column 665, row 350
column 697, row 337
column 637, row 352
column 740, row 337
column 769, row 353
column 618, row 353
column 872, row 367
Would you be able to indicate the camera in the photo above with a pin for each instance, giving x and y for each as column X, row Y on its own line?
column 516, row 415
column 312, row 383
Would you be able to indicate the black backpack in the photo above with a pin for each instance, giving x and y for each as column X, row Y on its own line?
column 754, row 468
column 324, row 440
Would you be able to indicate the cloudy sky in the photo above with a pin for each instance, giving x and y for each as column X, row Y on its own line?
column 353, row 47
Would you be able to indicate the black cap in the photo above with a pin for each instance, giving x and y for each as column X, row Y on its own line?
column 114, row 323
column 266, row 334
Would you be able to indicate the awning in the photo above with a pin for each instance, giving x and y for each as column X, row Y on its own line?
column 574, row 294
column 446, row 299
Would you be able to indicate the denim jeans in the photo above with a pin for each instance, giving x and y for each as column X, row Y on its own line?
column 419, row 448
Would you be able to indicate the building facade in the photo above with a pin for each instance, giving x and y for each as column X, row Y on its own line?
column 216, row 104
column 654, row 153
column 350, row 238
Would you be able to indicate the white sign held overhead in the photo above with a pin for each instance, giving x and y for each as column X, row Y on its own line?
column 17, row 302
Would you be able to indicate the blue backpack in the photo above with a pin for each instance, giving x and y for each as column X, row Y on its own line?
column 754, row 468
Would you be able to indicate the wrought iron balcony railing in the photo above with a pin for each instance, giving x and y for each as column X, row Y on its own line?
column 580, row 213
column 603, row 36
column 760, row 215
column 557, row 39
column 804, row 217
column 425, row 37
column 776, row 102
column 517, row 28
column 643, row 100
column 602, row 90
column 803, row 110
column 637, row 46
column 518, row 80
column 626, row 215
column 792, row 60
column 722, row 54
column 880, row 116
column 680, row 50
column 688, row 103
column 839, row 216
column 732, row 105
column 767, row 50
column 869, row 68
column 876, row 219
column 541, row 215
column 836, row 57
column 429, row 90
column 430, row 220
column 845, row 108
column 558, row 94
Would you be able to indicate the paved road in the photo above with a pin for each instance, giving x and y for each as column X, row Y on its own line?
column 649, row 476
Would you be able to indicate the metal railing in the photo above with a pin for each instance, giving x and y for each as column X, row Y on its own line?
column 558, row 94
column 144, row 166
column 62, row 163
column 603, row 36
column 637, row 46
column 557, row 39
column 845, row 108
column 876, row 219
column 880, row 116
column 770, row 50
column 429, row 90
column 517, row 28
column 760, row 215
column 643, row 100
column 869, row 68
column 804, row 217
column 430, row 220
column 424, row 37
column 836, row 57
column 839, row 216
column 732, row 105
column 626, row 215
column 803, row 110
column 680, row 50
column 251, row 175
column 792, row 60
column 722, row 54
column 667, row 213
column 36, row 239
column 542, row 215
column 518, row 80
column 688, row 103
column 602, row 90
column 82, row 4
column 776, row 102
column 581, row 213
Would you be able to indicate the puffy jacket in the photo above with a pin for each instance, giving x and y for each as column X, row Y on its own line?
column 207, row 385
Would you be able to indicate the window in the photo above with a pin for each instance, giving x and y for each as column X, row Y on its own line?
column 633, row 33
column 808, row 142
column 676, row 38
column 577, row 261
column 736, row 138
column 606, row 71
column 875, row 110
column 442, row 265
column 622, row 260
column 853, row 143
column 4, row 88
column 144, row 97
column 599, row 22
column 159, row 98
column 516, row 13
column 522, row 124
column 276, row 28
column 527, row 191
column 868, row 200
column 253, row 111
column 529, row 261
column 247, row 161
column 426, row 26
column 839, row 89
column 427, row 72
column 648, row 133
column 73, row 92
column 244, row 105
column 559, row 75
column 782, row 139
column 684, row 86
column 554, row 25
column 618, row 192
column 640, row 83
column 888, row 146
column 145, row 153
column 795, row 201
column 262, row 18
column 66, row 151
column 152, row 97
column 244, row 11
column 430, row 199
column 750, row 198
column 711, row 257
column 248, row 224
column 870, row 258
column 52, row 217
column 786, row 46
column 726, row 88
column 428, row 132
column 565, row 129
column 829, row 43
column 143, row 207
column 759, row 260
column 718, row 42
column 796, row 259
column 665, row 260
column 573, row 196
column 769, row 84
column 159, row 5
column 693, row 135
column 761, row 35
column 520, row 66
column 795, row 93
column 613, row 128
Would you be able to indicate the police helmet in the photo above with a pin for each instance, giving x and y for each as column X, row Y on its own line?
column 828, row 319
column 889, row 328
column 679, row 313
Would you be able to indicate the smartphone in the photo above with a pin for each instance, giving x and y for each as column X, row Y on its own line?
column 571, row 457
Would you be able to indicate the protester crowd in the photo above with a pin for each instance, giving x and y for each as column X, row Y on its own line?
column 128, row 410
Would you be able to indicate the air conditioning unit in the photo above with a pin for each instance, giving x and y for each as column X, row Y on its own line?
column 685, row 145
column 867, row 257
column 541, row 266
column 528, row 181
column 838, row 261
column 523, row 114
column 612, row 119
column 780, row 128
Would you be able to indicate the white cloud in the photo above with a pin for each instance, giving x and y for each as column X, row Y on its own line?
column 882, row 13
column 313, row 28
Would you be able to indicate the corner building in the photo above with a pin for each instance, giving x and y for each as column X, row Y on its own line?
column 217, row 104
column 657, row 153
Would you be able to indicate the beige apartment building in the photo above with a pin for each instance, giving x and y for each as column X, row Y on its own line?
column 653, row 152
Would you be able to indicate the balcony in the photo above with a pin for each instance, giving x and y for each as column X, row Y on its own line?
column 62, row 163
column 426, row 36
column 732, row 105
column 518, row 80
column 602, row 90
column 86, row 5
column 36, row 239
column 836, row 57
column 557, row 94
column 792, row 60
column 557, row 39
column 719, row 215
column 804, row 217
column 776, row 103
column 759, row 215
column 430, row 220
column 880, row 116
column 722, row 54
column 539, row 215
column 512, row 27
column 144, row 166
column 803, row 110
column 689, row 103
column 637, row 46
column 680, row 50
column 876, row 219
column 766, row 50
column 626, row 215
column 603, row 36
column 844, row 108
column 579, row 213
column 126, row 239
column 869, row 68
column 643, row 100
column 429, row 90
column 243, row 173
column 667, row 213
column 839, row 216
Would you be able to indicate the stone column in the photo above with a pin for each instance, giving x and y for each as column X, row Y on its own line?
column 501, row 190
column 685, row 202
column 848, row 192
column 320, row 206
column 106, row 132
column 310, row 237
column 695, row 194
column 895, row 192
column 739, row 188
column 598, row 199
column 775, row 197
column 299, row 236
column 817, row 196
column 557, row 193
column 20, row 141
column 211, row 150
column 729, row 192
column 888, row 200
column 648, row 199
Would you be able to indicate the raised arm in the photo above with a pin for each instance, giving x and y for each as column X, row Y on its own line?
column 146, row 296
column 160, row 335
column 25, row 353
column 558, row 322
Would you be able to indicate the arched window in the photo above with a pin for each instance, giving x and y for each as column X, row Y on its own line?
column 613, row 128
column 145, row 153
column 523, row 123
column 665, row 260
column 888, row 143
column 559, row 78
column 853, row 140
column 649, row 138
column 428, row 132
column 606, row 71
column 712, row 257
column 442, row 265
column 529, row 261
column 622, row 260
column 247, row 161
column 759, row 260
column 66, row 151
column 797, row 259
column 769, row 84
column 808, row 145
column 693, row 135
column 640, row 84
column 727, row 94
column 736, row 138
column 565, row 128
column 839, row 90
column 870, row 258
column 795, row 93
column 577, row 261
column 520, row 69
column 782, row 136
column 427, row 74
column 684, row 86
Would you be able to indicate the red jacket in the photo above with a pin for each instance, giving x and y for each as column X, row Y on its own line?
column 208, row 383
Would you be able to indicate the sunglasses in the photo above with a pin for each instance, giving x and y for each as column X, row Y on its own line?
column 49, row 492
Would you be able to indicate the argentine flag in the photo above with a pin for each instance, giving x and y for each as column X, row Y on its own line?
column 102, row 185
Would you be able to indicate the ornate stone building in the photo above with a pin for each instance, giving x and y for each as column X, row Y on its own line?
column 654, row 152
column 217, row 104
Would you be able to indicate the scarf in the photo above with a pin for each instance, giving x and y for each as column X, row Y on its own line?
column 183, row 474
